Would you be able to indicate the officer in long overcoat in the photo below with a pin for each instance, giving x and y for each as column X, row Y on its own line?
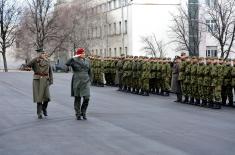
column 175, row 83
column 42, row 79
column 80, row 85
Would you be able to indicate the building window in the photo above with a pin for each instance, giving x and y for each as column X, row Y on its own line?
column 114, row 29
column 120, row 27
column 120, row 50
column 211, row 51
column 211, row 25
column 110, row 29
column 110, row 5
column 110, row 52
column 125, row 29
column 211, row 3
column 126, row 50
column 114, row 4
column 115, row 52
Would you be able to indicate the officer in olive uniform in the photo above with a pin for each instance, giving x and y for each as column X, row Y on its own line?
column 42, row 79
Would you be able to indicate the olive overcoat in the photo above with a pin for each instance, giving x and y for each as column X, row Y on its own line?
column 80, row 85
column 42, row 79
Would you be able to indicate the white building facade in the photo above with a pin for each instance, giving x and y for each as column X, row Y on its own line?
column 116, row 27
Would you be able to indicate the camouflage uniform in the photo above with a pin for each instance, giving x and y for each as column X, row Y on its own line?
column 227, row 84
column 193, row 83
column 134, row 76
column 145, row 77
column 119, row 68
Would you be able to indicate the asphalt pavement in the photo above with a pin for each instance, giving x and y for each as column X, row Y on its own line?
column 118, row 123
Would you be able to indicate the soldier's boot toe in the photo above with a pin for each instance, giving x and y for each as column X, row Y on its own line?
column 191, row 101
column 45, row 112
column 78, row 117
column 40, row 116
column 197, row 103
column 167, row 93
column 84, row 116
column 216, row 105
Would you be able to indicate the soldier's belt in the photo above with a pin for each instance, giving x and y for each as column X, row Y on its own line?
column 41, row 74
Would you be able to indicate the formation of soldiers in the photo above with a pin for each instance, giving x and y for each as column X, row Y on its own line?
column 207, row 82
column 137, row 75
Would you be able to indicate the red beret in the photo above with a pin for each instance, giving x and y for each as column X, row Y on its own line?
column 80, row 51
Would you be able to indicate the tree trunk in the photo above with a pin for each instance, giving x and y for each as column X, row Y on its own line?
column 4, row 61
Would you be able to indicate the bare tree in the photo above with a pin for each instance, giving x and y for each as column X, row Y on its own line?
column 153, row 46
column 222, row 13
column 186, row 30
column 49, row 31
column 24, row 39
column 9, row 13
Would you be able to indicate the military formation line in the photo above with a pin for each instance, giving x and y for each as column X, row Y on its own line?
column 207, row 82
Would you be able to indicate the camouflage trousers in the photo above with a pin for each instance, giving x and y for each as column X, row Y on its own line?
column 145, row 84
column 200, row 92
column 166, row 84
column 135, row 83
column 208, row 93
column 158, row 83
column 194, row 91
column 227, row 93
column 98, row 78
column 217, row 93
column 186, row 89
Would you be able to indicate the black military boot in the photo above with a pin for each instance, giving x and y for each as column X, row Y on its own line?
column 179, row 98
column 77, row 107
column 210, row 104
column 137, row 91
column 167, row 93
column 204, row 103
column 216, row 105
column 84, row 108
column 157, row 91
column 162, row 93
column 141, row 92
column 197, row 103
column 133, row 91
column 185, row 100
column 44, row 108
column 39, row 110
column 191, row 101
column 125, row 88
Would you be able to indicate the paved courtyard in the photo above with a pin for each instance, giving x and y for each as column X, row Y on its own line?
column 118, row 123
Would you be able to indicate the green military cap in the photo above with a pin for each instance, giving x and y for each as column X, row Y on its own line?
column 168, row 58
column 221, row 58
column 194, row 57
column 164, row 59
column 39, row 50
column 135, row 57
